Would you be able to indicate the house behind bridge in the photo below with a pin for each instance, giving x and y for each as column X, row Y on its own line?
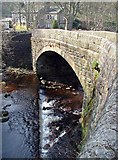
column 40, row 17
column 46, row 16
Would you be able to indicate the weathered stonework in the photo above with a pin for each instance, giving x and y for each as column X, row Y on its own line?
column 16, row 49
column 80, row 49
column 101, row 141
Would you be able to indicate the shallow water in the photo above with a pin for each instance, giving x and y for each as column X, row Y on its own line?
column 43, row 122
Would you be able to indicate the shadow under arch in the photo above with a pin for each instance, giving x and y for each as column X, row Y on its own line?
column 53, row 67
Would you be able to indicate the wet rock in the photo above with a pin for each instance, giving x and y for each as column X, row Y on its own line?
column 41, row 78
column 57, row 128
column 4, row 116
column 77, row 112
column 68, row 88
column 8, row 105
column 67, row 109
column 74, row 93
column 49, row 82
column 46, row 108
column 5, row 113
column 7, row 95
column 47, row 146
column 48, row 99
column 43, row 82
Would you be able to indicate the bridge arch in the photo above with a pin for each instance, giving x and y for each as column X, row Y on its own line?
column 55, row 66
column 65, row 52
column 79, row 48
column 88, row 47
column 56, row 50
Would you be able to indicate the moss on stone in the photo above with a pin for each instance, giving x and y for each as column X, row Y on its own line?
column 96, row 74
column 95, row 65
column 86, row 114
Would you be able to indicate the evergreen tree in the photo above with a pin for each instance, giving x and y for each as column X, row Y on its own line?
column 54, row 24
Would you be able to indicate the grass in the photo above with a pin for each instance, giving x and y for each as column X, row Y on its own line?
column 20, row 27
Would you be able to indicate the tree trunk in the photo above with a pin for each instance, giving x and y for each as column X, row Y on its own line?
column 27, row 15
column 20, row 14
column 20, row 18
column 28, row 20
column 66, row 24
column 69, row 23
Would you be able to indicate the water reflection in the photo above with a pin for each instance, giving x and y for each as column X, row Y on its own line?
column 21, row 133
column 43, row 122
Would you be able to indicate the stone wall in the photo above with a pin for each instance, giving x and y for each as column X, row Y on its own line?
column 101, row 141
column 71, row 48
column 78, row 48
column 83, row 50
column 16, row 49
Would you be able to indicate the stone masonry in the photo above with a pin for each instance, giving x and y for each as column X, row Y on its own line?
column 81, row 49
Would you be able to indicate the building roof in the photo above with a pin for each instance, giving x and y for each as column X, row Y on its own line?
column 49, row 10
column 6, row 20
column 23, row 12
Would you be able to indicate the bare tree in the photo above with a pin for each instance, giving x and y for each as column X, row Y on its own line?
column 20, row 6
column 70, row 10
column 98, row 15
column 30, row 10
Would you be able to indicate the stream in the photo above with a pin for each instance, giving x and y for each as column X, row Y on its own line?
column 43, row 118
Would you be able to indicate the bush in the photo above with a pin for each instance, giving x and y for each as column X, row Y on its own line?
column 54, row 24
column 20, row 28
column 61, row 27
column 76, row 24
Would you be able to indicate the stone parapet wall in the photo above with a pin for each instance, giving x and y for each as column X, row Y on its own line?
column 73, row 37
column 111, row 36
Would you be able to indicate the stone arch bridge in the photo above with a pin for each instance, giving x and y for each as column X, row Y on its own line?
column 81, row 49
column 92, row 56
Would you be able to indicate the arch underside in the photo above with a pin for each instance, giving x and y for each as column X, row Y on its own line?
column 53, row 67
